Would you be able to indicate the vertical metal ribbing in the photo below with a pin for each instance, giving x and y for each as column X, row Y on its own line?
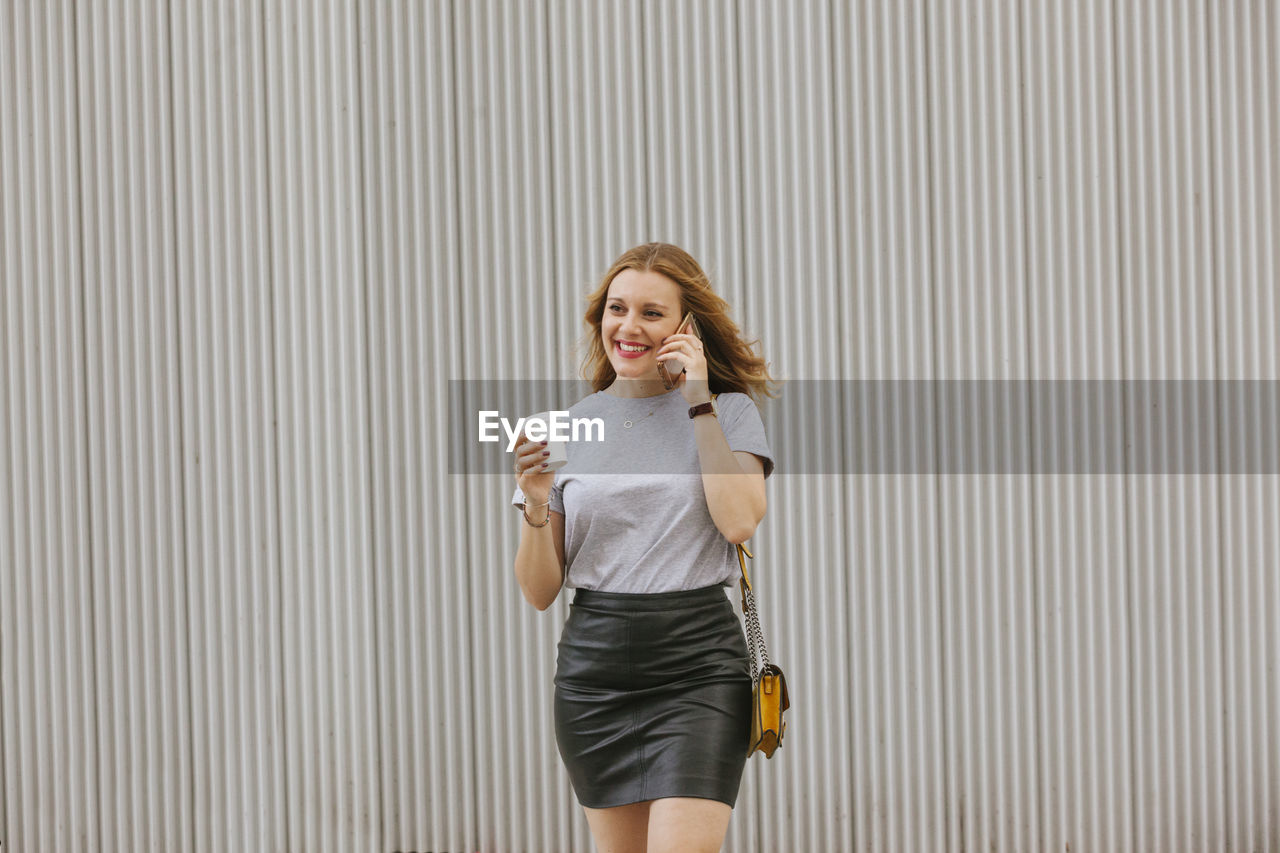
column 139, row 645
column 1075, row 331
column 986, row 561
column 317, row 265
column 507, row 240
column 229, row 459
column 48, row 744
column 1172, row 518
column 377, row 557
column 1245, row 132
column 790, row 287
column 890, row 560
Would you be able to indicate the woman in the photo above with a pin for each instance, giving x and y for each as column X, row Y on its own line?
column 652, row 686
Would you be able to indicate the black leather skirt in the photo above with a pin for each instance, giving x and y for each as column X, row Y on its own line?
column 652, row 697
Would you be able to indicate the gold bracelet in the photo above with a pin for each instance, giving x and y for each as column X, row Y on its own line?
column 524, row 511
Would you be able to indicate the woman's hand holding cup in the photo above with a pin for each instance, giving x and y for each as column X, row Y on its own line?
column 532, row 475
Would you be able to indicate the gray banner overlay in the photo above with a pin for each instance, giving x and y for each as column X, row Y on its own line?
column 952, row 426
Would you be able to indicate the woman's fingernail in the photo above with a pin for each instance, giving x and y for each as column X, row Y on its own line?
column 543, row 467
column 543, row 443
column 546, row 453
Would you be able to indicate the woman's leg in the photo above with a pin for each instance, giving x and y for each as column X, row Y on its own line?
column 621, row 829
column 687, row 825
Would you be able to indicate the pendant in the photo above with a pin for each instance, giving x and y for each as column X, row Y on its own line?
column 627, row 424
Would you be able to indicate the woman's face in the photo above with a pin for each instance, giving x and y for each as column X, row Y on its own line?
column 642, row 308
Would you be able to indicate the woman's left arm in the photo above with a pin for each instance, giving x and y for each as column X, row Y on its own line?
column 733, row 481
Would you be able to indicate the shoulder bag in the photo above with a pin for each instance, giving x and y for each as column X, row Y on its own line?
column 768, row 685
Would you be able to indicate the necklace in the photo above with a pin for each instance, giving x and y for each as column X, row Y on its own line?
column 630, row 423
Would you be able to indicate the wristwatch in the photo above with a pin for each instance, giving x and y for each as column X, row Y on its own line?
column 707, row 408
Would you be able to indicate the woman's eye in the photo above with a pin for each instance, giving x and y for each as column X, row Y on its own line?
column 651, row 313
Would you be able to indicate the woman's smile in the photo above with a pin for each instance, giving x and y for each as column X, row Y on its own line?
column 630, row 349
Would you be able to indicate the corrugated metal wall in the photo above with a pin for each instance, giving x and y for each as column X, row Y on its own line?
column 243, row 604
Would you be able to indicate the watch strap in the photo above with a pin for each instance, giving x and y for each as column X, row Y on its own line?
column 707, row 408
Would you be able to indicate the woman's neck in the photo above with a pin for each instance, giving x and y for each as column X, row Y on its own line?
column 636, row 388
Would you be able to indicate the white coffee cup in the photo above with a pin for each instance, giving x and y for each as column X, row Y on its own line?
column 558, row 451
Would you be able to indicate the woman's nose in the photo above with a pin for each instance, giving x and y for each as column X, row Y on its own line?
column 630, row 324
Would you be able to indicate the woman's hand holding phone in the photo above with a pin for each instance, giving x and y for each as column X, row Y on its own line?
column 682, row 353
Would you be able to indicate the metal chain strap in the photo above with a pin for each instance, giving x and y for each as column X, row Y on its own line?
column 755, row 637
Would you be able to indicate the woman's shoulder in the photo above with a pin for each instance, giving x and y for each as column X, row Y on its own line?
column 735, row 401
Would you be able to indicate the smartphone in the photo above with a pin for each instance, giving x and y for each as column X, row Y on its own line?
column 688, row 326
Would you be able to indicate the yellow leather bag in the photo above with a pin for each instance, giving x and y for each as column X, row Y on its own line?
column 769, row 696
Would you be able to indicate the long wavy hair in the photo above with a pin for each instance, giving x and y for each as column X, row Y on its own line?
column 732, row 363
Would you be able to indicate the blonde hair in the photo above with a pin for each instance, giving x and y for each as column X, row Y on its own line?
column 732, row 364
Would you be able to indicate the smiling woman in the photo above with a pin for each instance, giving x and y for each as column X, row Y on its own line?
column 652, row 685
column 640, row 301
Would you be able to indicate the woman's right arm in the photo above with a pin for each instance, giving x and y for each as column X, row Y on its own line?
column 540, row 557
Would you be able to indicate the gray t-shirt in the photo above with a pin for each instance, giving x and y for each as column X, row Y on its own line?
column 636, row 517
